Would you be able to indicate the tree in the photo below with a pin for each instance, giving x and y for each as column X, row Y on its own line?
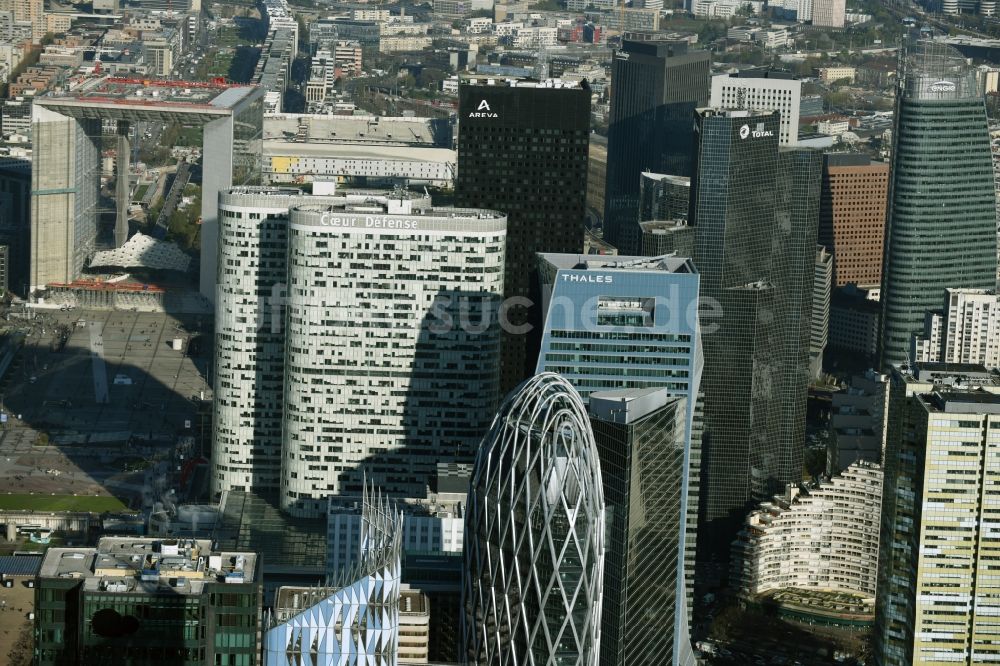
column 838, row 100
column 431, row 77
column 711, row 31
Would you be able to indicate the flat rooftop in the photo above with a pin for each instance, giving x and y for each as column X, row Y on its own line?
column 659, row 227
column 683, row 181
column 976, row 401
column 441, row 505
column 392, row 208
column 287, row 544
column 763, row 73
column 129, row 564
column 583, row 262
column 512, row 82
column 147, row 99
column 364, row 130
column 734, row 113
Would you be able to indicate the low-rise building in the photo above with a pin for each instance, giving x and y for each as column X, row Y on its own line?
column 833, row 127
column 398, row 43
column 724, row 8
column 357, row 150
column 148, row 601
column 627, row 19
column 348, row 57
column 831, row 74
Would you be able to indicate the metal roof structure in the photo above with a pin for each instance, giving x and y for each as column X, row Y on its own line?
column 148, row 100
column 143, row 251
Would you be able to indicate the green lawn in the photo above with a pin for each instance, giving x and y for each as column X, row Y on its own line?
column 60, row 503
column 140, row 191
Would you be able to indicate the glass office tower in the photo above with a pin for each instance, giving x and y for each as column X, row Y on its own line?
column 755, row 213
column 656, row 85
column 534, row 544
column 641, row 435
column 631, row 323
column 942, row 229
column 522, row 150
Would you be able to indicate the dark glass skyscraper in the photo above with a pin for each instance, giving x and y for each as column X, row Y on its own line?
column 522, row 149
column 942, row 210
column 655, row 87
column 755, row 213
column 640, row 436
column 664, row 197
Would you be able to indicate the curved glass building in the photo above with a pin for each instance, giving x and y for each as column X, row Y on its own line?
column 534, row 533
column 942, row 229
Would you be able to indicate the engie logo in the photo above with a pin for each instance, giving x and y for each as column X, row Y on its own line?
column 941, row 87
column 483, row 111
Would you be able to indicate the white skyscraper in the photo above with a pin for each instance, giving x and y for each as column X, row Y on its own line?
column 939, row 590
column 829, row 13
column 249, row 341
column 967, row 330
column 762, row 89
column 391, row 345
column 249, row 332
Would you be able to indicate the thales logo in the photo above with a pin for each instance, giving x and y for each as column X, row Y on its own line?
column 483, row 111
column 585, row 277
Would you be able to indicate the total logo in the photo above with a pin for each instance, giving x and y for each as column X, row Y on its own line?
column 757, row 133
column 483, row 111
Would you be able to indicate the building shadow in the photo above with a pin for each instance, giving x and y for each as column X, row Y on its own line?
column 451, row 398
column 451, row 395
column 103, row 402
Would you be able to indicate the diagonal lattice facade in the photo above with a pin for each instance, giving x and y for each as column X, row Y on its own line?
column 534, row 534
column 354, row 623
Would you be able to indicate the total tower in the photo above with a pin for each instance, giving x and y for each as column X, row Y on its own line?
column 755, row 210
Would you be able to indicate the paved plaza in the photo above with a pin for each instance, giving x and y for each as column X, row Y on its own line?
column 93, row 393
